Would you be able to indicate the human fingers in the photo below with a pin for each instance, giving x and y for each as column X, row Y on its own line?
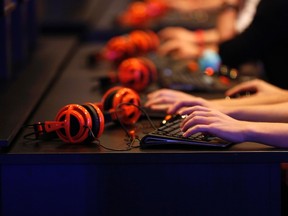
column 174, row 108
column 168, row 33
column 168, row 48
column 159, row 100
column 190, row 102
column 241, row 88
column 229, row 131
column 188, row 108
column 162, row 92
column 206, row 114
column 193, row 115
column 198, row 121
column 163, row 96
column 186, row 50
column 211, row 121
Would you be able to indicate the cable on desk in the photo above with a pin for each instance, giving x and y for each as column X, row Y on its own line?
column 38, row 132
column 129, row 144
column 130, row 134
column 138, row 107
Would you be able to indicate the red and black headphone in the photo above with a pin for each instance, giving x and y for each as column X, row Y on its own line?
column 137, row 73
column 76, row 123
column 121, row 104
column 140, row 14
column 118, row 48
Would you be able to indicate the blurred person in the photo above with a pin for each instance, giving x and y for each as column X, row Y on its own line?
column 245, row 8
column 234, row 16
column 263, row 40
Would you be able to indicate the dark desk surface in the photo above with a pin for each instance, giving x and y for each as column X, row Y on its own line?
column 77, row 84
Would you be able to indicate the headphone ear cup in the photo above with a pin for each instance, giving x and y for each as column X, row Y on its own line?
column 75, row 121
column 107, row 99
column 118, row 48
column 131, row 113
column 124, row 101
column 141, row 41
column 97, row 119
column 151, row 68
column 136, row 73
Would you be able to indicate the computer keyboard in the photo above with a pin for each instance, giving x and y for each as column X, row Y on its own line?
column 178, row 75
column 169, row 135
column 188, row 82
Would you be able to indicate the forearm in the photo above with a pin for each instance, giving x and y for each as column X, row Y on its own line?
column 259, row 113
column 252, row 100
column 273, row 134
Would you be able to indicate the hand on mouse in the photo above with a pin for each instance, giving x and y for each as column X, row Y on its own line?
column 255, row 86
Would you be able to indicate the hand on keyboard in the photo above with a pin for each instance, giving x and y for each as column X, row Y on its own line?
column 169, row 133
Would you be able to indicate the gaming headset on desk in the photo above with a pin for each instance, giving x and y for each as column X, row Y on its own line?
column 136, row 73
column 85, row 123
column 140, row 14
column 133, row 44
column 126, row 55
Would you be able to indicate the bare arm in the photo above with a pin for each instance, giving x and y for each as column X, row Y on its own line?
column 265, row 113
column 182, row 43
column 191, row 5
column 202, row 119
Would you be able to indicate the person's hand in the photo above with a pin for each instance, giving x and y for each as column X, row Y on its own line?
column 214, row 122
column 255, row 86
column 180, row 105
column 177, row 33
column 181, row 5
column 179, row 50
column 163, row 99
column 172, row 101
